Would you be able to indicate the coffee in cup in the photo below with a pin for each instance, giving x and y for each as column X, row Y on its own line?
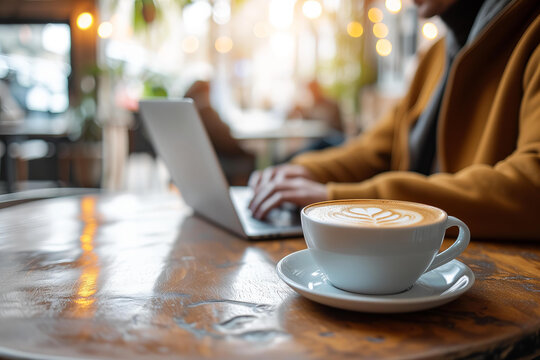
column 378, row 246
column 379, row 214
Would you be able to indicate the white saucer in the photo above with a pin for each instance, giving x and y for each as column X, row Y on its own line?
column 437, row 287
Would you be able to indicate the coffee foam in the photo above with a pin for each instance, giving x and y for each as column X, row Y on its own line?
column 374, row 214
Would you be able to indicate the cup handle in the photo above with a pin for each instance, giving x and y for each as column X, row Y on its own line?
column 456, row 248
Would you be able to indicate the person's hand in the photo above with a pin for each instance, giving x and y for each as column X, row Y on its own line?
column 284, row 183
column 260, row 179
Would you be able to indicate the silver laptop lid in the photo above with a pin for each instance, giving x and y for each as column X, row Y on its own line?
column 181, row 141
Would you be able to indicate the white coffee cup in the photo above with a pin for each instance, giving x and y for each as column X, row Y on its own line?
column 378, row 246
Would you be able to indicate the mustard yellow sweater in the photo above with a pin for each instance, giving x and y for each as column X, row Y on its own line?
column 488, row 141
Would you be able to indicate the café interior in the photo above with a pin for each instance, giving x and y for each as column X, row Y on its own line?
column 74, row 71
column 103, row 258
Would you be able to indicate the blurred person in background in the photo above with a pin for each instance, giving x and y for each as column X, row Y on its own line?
column 465, row 137
column 318, row 106
column 235, row 161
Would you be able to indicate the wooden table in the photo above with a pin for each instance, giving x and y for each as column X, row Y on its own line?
column 129, row 277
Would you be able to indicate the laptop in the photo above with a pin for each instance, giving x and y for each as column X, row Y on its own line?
column 180, row 139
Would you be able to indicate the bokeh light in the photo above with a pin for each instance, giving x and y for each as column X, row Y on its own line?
column 221, row 12
column 85, row 20
column 281, row 13
column 393, row 6
column 195, row 16
column 383, row 47
column 430, row 31
column 312, row 9
column 355, row 29
column 375, row 15
column 105, row 30
column 380, row 30
column 223, row 44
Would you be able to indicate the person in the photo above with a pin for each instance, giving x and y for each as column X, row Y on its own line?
column 464, row 138
column 322, row 108
column 236, row 162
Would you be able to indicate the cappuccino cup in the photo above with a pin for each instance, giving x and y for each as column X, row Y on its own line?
column 378, row 246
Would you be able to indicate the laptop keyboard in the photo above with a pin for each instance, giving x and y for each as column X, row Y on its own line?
column 285, row 216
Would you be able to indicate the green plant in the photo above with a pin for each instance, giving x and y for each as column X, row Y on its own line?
column 89, row 130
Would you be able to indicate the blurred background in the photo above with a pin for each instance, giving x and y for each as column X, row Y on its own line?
column 271, row 78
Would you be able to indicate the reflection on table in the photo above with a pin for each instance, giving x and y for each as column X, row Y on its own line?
column 130, row 276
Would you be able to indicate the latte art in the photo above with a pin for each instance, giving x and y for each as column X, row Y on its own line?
column 374, row 214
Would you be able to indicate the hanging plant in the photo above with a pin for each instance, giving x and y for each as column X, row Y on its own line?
column 149, row 11
column 145, row 13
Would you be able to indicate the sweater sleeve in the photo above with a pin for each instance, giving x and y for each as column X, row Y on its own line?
column 499, row 201
column 374, row 151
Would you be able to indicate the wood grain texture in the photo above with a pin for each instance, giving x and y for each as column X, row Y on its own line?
column 125, row 276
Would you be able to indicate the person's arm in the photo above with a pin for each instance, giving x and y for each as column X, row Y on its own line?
column 500, row 201
column 371, row 153
column 302, row 181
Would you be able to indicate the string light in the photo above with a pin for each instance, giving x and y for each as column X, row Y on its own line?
column 380, row 30
column 312, row 9
column 355, row 29
column 223, row 44
column 375, row 15
column 383, row 47
column 84, row 20
column 281, row 13
column 105, row 30
column 430, row 31
column 394, row 6
column 221, row 12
